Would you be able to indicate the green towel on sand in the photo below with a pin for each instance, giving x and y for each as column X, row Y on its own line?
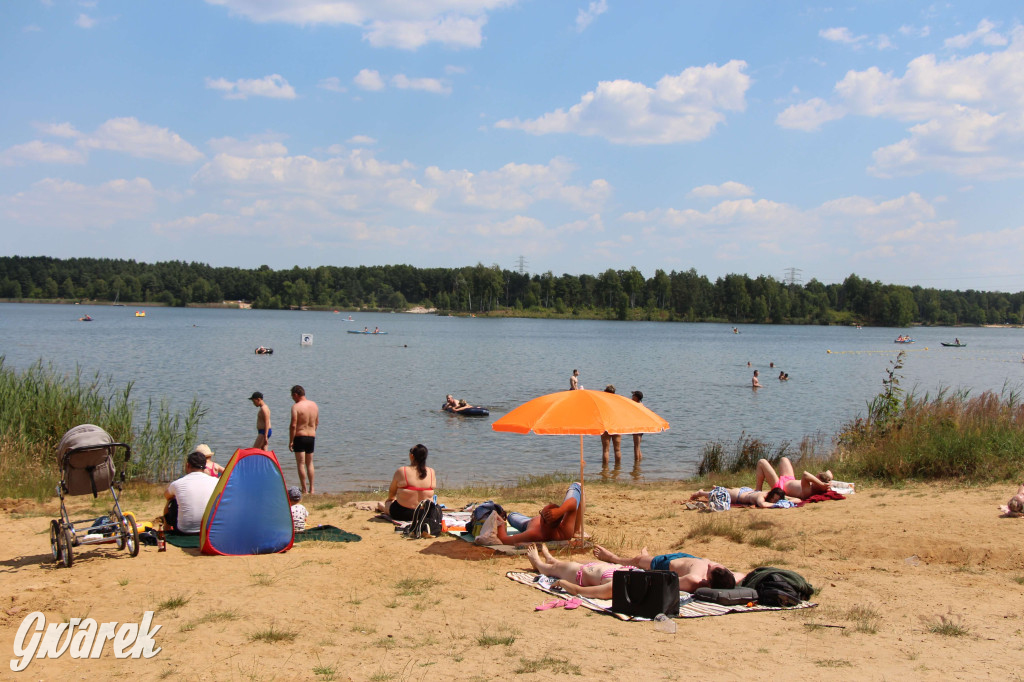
column 321, row 533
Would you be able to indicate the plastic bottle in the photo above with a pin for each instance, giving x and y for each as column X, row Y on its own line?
column 663, row 623
column 161, row 543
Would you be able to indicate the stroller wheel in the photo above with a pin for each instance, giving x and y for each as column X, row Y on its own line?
column 55, row 544
column 66, row 556
column 131, row 535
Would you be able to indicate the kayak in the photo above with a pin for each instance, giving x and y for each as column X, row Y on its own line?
column 262, row 350
column 954, row 345
column 469, row 411
column 352, row 331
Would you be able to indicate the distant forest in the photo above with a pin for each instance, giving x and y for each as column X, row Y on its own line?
column 613, row 294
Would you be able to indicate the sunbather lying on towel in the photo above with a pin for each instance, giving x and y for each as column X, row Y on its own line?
column 807, row 485
column 1015, row 507
column 555, row 522
column 757, row 498
column 693, row 571
column 589, row 580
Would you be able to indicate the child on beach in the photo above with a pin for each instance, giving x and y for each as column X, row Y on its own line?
column 211, row 468
column 299, row 512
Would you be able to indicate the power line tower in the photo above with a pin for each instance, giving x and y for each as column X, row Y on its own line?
column 792, row 276
column 521, row 265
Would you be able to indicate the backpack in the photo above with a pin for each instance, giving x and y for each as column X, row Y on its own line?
column 778, row 586
column 426, row 521
column 480, row 514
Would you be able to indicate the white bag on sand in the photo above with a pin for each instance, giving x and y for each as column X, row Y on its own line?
column 489, row 531
column 842, row 487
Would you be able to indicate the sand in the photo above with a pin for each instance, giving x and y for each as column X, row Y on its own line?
column 925, row 582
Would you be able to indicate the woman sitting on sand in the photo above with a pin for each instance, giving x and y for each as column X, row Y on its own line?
column 409, row 486
column 808, row 485
column 756, row 498
column 592, row 579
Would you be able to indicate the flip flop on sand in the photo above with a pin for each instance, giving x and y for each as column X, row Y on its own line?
column 552, row 604
column 573, row 603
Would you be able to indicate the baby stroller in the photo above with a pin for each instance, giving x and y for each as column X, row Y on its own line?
column 86, row 460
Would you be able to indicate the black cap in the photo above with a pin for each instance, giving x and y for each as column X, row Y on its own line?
column 255, row 395
column 639, row 395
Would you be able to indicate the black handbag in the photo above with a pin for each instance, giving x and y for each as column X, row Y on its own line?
column 645, row 593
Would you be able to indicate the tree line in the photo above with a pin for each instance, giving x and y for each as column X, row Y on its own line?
column 614, row 294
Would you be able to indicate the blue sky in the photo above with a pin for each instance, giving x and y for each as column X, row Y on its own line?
column 884, row 139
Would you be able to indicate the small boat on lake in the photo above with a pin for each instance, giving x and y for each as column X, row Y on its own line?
column 376, row 331
column 955, row 344
column 263, row 350
column 87, row 318
column 903, row 339
column 140, row 313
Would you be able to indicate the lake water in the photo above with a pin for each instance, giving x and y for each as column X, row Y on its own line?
column 379, row 395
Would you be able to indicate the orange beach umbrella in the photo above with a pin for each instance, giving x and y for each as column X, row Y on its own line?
column 583, row 413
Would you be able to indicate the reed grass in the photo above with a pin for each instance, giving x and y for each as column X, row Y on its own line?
column 951, row 435
column 38, row 405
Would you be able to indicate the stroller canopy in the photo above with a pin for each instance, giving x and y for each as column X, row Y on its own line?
column 83, row 436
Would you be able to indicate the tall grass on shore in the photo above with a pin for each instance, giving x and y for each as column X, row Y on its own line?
column 40, row 404
column 952, row 435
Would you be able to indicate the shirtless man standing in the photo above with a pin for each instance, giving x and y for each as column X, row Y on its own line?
column 302, row 435
column 755, row 383
column 574, row 380
column 262, row 421
column 693, row 571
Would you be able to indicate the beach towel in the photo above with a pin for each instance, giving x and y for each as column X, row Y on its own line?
column 504, row 549
column 688, row 606
column 317, row 533
column 822, row 497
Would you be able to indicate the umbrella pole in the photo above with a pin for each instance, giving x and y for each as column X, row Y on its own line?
column 579, row 512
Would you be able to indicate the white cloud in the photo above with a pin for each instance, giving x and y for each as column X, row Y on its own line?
column 683, row 108
column 515, row 187
column 256, row 147
column 369, row 79
column 985, row 33
column 57, row 129
column 31, row 28
column 964, row 113
column 361, row 140
column 585, row 17
column 403, row 82
column 274, row 86
column 85, row 21
column 59, row 203
column 127, row 135
column 453, row 31
column 841, row 34
column 405, row 25
column 38, row 151
column 141, row 140
column 726, row 189
column 914, row 31
column 333, row 84
column 809, row 115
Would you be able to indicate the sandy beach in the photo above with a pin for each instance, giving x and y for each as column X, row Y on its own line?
column 923, row 582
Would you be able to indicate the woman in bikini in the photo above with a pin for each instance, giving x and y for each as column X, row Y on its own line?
column 754, row 498
column 409, row 486
column 807, row 485
column 592, row 579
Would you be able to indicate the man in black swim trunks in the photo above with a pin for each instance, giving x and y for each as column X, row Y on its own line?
column 302, row 435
